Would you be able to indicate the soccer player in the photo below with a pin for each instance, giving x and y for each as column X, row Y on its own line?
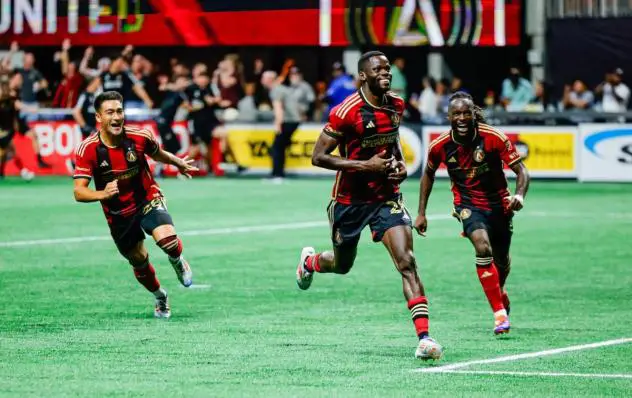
column 10, row 107
column 131, row 199
column 203, row 123
column 474, row 153
column 365, row 129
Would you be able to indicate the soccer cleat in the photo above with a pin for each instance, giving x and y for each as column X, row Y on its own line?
column 303, row 276
column 428, row 349
column 501, row 325
column 162, row 309
column 26, row 174
column 183, row 270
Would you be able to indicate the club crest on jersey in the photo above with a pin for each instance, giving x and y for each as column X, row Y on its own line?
column 395, row 119
column 479, row 155
column 465, row 214
column 131, row 156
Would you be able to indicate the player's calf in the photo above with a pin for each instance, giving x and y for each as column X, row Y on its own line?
column 146, row 275
column 172, row 246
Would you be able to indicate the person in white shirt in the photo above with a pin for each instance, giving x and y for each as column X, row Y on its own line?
column 615, row 93
column 428, row 102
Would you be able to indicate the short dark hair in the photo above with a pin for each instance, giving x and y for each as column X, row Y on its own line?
column 106, row 96
column 366, row 56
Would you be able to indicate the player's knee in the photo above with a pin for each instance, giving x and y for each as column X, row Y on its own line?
column 138, row 260
column 406, row 263
column 343, row 267
column 483, row 249
column 172, row 245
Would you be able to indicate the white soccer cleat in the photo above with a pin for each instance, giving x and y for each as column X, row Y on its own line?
column 183, row 270
column 428, row 349
column 26, row 174
column 162, row 309
column 304, row 277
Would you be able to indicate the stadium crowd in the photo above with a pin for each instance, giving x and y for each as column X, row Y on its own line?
column 245, row 96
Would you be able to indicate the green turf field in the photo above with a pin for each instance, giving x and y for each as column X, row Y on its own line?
column 74, row 321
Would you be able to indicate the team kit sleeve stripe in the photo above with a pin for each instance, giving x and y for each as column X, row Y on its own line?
column 82, row 176
column 332, row 133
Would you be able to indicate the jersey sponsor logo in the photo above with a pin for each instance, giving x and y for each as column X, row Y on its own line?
column 104, row 164
column 452, row 160
column 479, row 155
column 131, row 156
column 379, row 140
column 370, row 125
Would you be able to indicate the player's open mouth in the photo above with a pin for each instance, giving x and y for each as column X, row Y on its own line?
column 462, row 127
column 384, row 82
column 116, row 127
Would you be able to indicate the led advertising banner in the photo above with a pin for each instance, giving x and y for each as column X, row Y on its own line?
column 257, row 22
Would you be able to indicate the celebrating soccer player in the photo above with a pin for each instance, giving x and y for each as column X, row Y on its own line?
column 474, row 153
column 365, row 129
column 131, row 199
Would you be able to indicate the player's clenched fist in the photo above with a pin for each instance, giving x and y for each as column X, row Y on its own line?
column 111, row 189
column 379, row 162
column 421, row 224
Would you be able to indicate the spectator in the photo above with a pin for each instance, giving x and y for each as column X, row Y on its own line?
column 302, row 92
column 137, row 69
column 456, row 85
column 102, row 66
column 443, row 95
column 517, row 92
column 119, row 79
column 340, row 87
column 428, row 102
column 69, row 89
column 578, row 96
column 615, row 93
column 32, row 83
column 286, row 120
column 247, row 106
column 228, row 81
column 399, row 83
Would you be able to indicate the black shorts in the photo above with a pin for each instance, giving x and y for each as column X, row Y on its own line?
column 348, row 221
column 128, row 231
column 5, row 138
column 499, row 226
column 202, row 130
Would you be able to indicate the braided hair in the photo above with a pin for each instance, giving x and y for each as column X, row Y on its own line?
column 479, row 116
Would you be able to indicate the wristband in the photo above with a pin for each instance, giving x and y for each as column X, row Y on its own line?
column 519, row 198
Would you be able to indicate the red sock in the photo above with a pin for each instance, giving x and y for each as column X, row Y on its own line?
column 216, row 157
column 172, row 245
column 488, row 275
column 146, row 276
column 419, row 310
column 312, row 263
column 18, row 162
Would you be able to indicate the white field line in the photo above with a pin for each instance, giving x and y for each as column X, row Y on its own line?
column 200, row 232
column 510, row 358
column 539, row 374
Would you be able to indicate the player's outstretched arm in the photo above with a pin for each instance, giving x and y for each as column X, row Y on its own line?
column 184, row 165
column 425, row 188
column 83, row 193
column 522, row 185
column 322, row 157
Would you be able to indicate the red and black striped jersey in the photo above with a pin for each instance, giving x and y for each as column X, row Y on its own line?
column 126, row 163
column 362, row 131
column 476, row 168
